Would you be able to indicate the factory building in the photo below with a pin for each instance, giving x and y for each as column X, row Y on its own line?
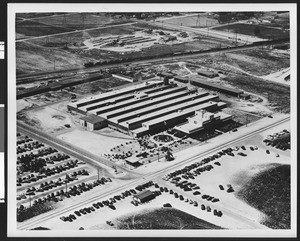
column 93, row 122
column 216, row 87
column 145, row 108
column 111, row 95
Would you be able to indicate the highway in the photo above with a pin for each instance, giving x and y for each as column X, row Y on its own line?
column 38, row 220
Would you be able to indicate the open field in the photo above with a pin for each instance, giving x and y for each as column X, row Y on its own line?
column 33, row 58
column 248, row 29
column 278, row 95
column 199, row 20
column 94, row 143
column 169, row 218
column 33, row 28
column 78, row 20
column 269, row 191
column 34, row 15
column 257, row 62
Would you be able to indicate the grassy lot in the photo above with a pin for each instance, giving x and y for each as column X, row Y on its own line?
column 248, row 29
column 169, row 218
column 33, row 28
column 269, row 192
column 79, row 20
column 278, row 95
column 34, row 15
column 193, row 21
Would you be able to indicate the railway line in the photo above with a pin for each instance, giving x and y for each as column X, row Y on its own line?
column 31, row 223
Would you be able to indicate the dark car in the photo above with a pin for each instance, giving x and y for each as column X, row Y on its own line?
column 77, row 213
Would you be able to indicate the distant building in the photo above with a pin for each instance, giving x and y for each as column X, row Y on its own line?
column 93, row 122
column 144, row 196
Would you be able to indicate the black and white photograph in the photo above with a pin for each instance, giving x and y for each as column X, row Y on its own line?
column 152, row 120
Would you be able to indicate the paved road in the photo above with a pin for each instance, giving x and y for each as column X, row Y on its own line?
column 240, row 38
column 31, row 223
column 71, row 150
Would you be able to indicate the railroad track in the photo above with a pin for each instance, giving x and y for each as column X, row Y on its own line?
column 154, row 60
column 44, row 217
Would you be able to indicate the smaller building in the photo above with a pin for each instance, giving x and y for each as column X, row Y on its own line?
column 244, row 96
column 206, row 73
column 144, row 196
column 93, row 122
column 181, row 79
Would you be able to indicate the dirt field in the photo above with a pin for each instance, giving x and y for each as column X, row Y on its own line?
column 248, row 29
column 199, row 20
column 253, row 61
column 78, row 20
column 33, row 28
column 94, row 143
column 278, row 95
column 99, row 85
column 32, row 58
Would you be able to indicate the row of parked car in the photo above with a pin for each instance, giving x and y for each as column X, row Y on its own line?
column 187, row 169
column 144, row 186
column 29, row 147
column 24, row 140
column 97, row 205
column 46, row 172
column 194, row 203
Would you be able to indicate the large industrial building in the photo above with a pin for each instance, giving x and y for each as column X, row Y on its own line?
column 145, row 108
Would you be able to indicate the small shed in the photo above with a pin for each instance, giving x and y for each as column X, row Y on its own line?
column 144, row 196
column 93, row 122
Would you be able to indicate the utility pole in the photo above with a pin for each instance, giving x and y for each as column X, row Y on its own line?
column 98, row 173
column 54, row 62
column 64, row 20
column 66, row 182
column 30, row 200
